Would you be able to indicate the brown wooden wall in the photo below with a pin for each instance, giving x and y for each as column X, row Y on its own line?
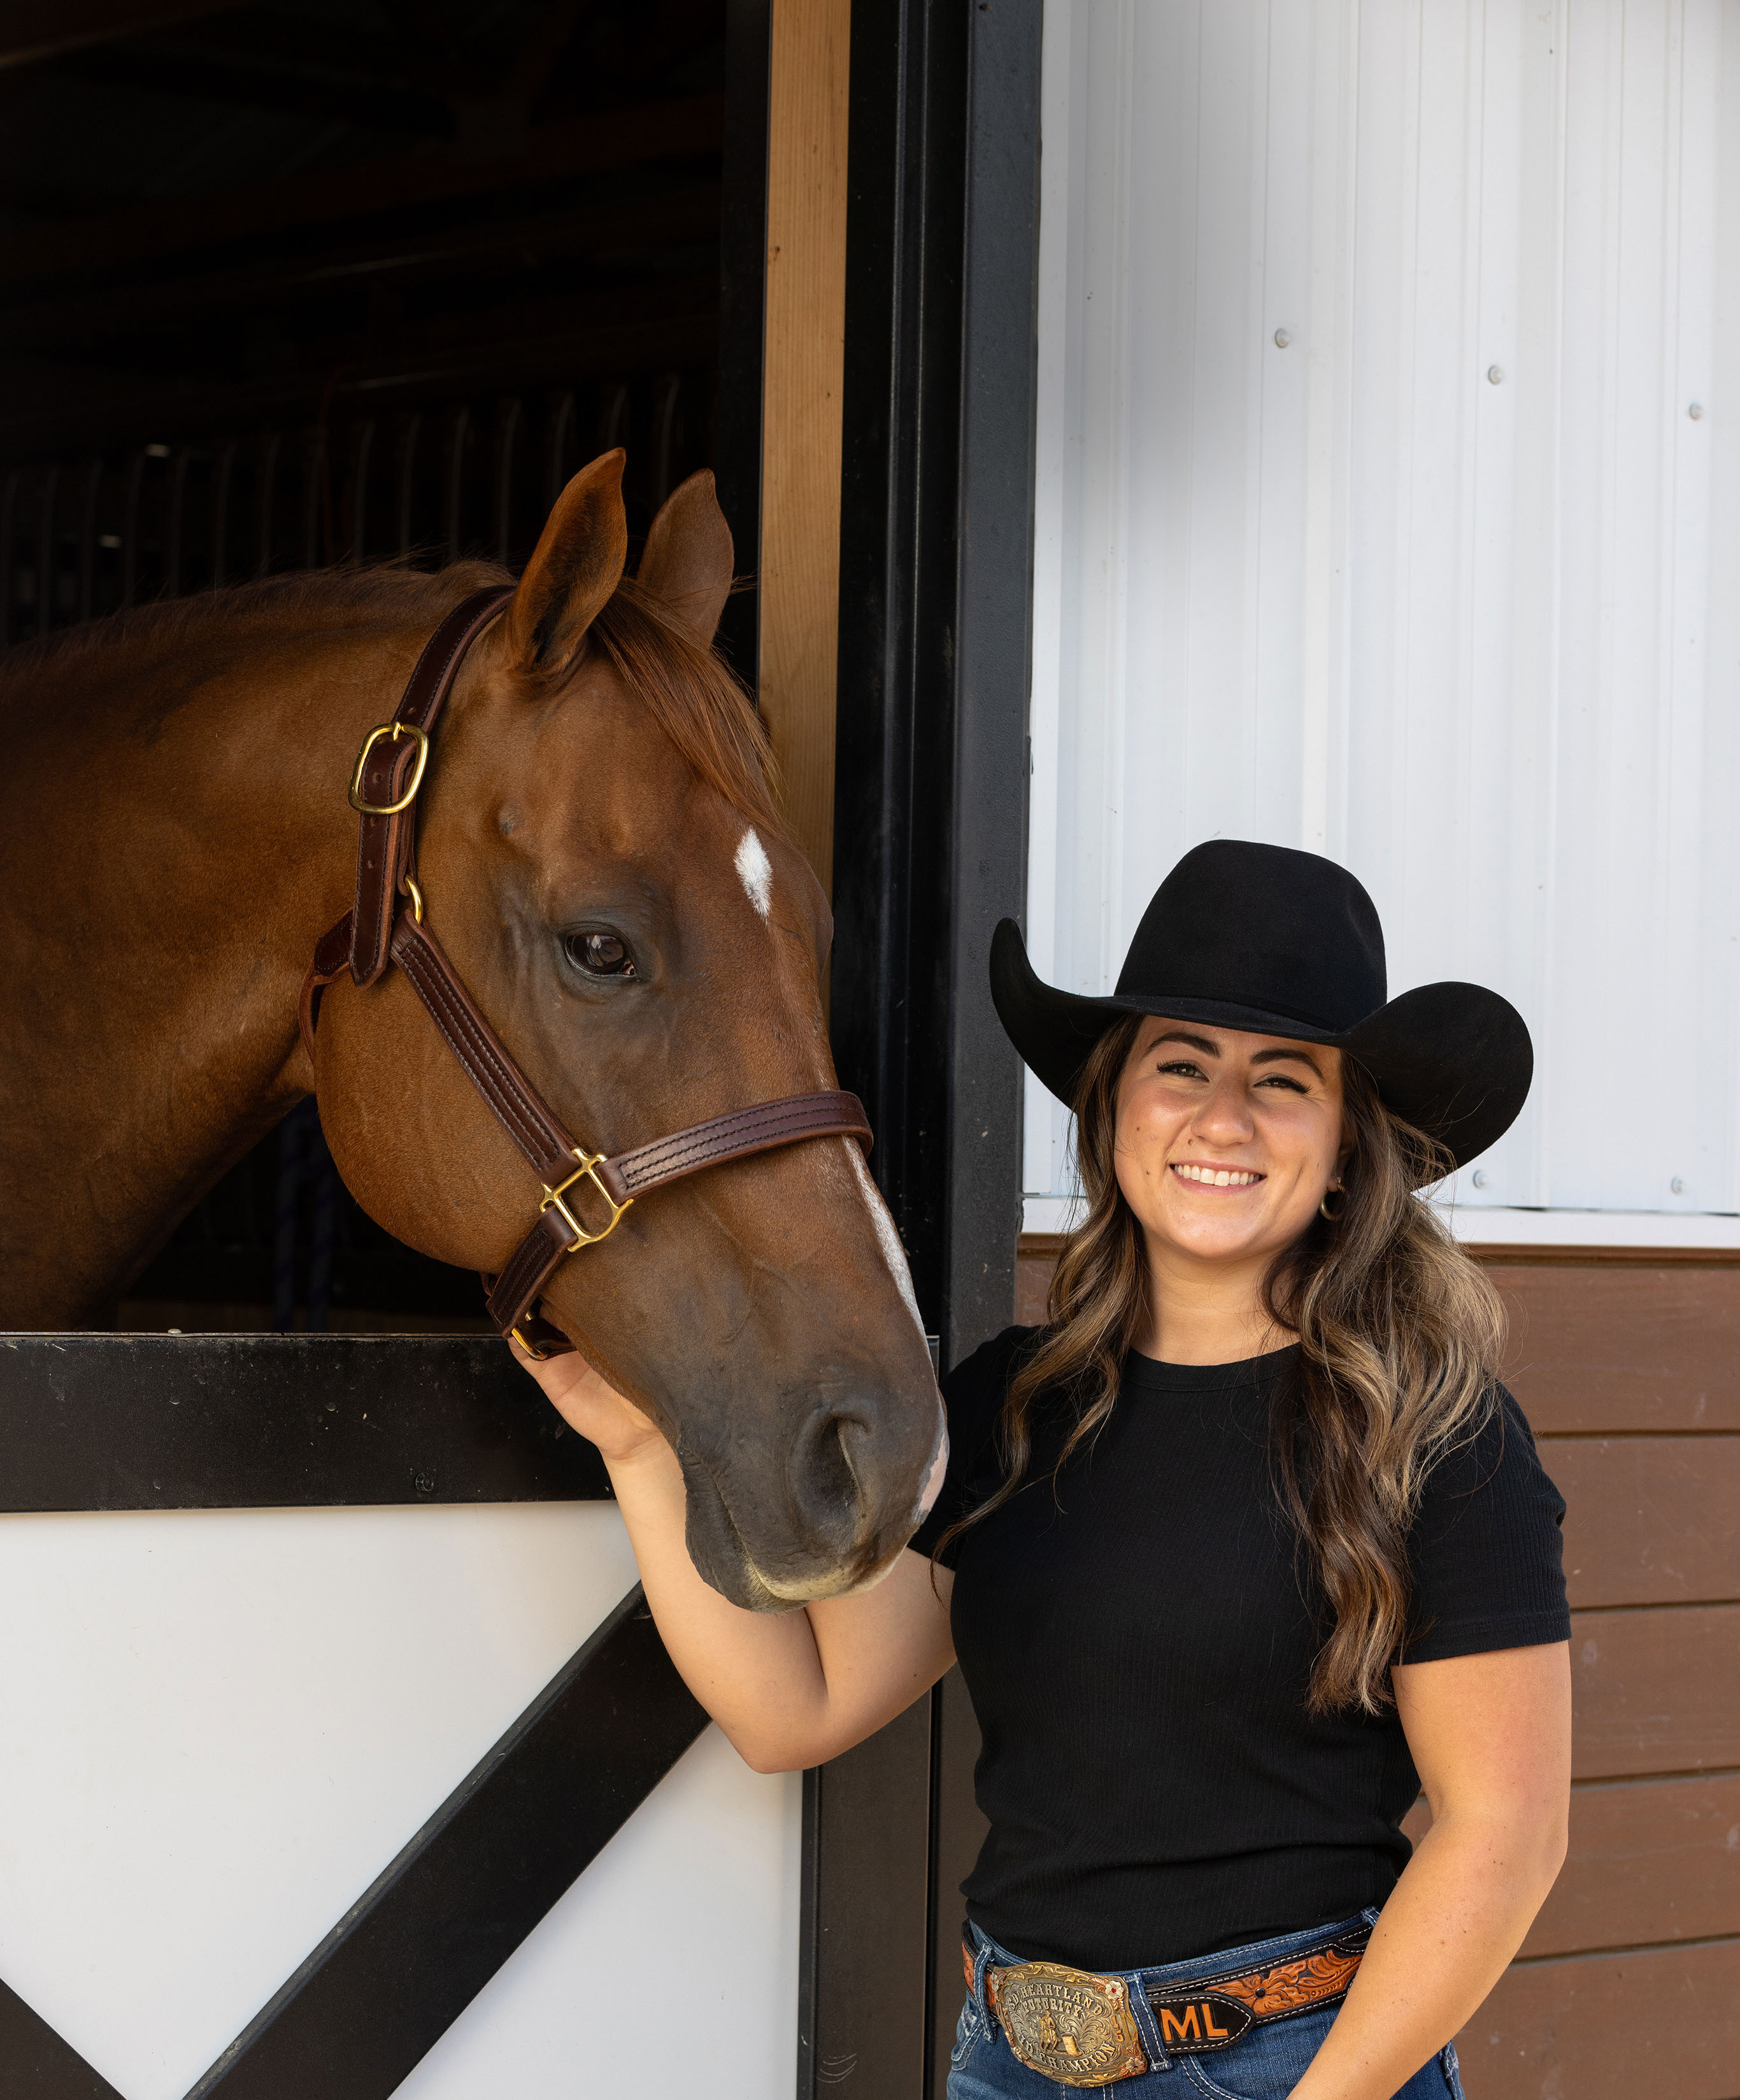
column 1627, row 1365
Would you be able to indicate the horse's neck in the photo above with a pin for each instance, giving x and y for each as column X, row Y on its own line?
column 172, row 845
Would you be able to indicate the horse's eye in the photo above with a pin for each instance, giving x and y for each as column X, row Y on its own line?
column 600, row 954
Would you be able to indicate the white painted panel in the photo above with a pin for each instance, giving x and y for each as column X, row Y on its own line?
column 671, row 1966
column 1373, row 519
column 217, row 1727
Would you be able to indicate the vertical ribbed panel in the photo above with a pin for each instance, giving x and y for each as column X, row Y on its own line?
column 1443, row 586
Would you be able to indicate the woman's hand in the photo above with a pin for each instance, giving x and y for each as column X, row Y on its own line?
column 789, row 1689
column 586, row 1403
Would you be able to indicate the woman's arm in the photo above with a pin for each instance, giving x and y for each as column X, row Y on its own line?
column 1490, row 1737
column 789, row 1689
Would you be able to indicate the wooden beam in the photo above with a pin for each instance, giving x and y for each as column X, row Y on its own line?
column 804, row 362
column 1655, row 1691
column 185, row 67
column 435, row 174
column 1610, row 2027
column 1651, row 1861
column 56, row 314
column 33, row 29
column 1622, row 1349
column 1650, row 1520
column 50, row 409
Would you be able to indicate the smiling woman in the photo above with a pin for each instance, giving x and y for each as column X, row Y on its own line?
column 1258, row 1463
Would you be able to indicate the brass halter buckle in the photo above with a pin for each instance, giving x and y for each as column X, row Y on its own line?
column 586, row 1171
column 394, row 729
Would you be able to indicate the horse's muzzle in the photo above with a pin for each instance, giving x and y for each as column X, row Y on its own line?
column 827, row 1519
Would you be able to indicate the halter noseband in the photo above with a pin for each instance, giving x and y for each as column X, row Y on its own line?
column 376, row 932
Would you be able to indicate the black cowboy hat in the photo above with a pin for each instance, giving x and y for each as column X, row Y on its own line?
column 1276, row 942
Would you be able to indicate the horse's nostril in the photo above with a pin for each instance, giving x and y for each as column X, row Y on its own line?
column 824, row 1481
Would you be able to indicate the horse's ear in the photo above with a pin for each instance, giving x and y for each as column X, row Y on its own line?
column 688, row 558
column 576, row 565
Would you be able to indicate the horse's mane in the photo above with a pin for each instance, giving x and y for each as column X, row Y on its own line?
column 395, row 594
column 692, row 694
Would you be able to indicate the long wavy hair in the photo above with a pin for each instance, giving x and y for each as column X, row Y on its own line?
column 1400, row 1335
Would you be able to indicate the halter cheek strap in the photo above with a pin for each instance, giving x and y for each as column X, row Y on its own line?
column 584, row 1193
column 388, row 773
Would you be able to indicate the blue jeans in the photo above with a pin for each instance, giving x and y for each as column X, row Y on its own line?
column 1264, row 2063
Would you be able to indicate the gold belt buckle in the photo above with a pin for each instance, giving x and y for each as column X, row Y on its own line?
column 1067, row 2024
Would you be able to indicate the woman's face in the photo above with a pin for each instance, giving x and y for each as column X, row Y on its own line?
column 1226, row 1142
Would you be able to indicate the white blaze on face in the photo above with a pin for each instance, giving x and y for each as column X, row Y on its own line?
column 755, row 872
column 892, row 1252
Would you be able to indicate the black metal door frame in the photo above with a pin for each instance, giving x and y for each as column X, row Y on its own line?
column 930, row 851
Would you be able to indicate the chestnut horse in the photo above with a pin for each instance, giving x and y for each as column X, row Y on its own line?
column 599, row 856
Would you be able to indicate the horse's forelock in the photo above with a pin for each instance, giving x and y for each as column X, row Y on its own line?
column 693, row 696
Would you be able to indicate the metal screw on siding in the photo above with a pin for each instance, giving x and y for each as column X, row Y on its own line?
column 1480, row 1177
column 1282, row 338
column 424, row 1483
column 1677, row 1185
column 1696, row 411
column 1495, row 374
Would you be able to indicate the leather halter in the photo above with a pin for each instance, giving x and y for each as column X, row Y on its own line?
column 378, row 932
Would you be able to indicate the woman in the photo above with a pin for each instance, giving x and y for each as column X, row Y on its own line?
column 1239, row 1551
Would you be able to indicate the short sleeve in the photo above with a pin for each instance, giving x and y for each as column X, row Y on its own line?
column 973, row 1394
column 1486, row 1550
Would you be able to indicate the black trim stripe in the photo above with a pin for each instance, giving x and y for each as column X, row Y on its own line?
column 132, row 1422
column 406, row 1959
column 36, row 2064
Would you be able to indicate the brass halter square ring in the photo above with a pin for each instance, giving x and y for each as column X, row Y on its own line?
column 586, row 1171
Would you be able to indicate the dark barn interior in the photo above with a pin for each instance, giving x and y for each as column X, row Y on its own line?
column 314, row 281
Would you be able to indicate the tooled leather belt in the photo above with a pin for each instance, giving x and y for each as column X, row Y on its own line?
column 1078, row 2028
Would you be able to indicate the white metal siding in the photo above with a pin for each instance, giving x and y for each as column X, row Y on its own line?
column 1443, row 587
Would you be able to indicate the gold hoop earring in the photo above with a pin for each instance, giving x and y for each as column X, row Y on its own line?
column 1335, row 1187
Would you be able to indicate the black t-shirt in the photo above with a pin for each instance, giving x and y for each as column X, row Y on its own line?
column 1137, row 1640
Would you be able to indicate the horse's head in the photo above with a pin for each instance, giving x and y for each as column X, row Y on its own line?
column 602, row 863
